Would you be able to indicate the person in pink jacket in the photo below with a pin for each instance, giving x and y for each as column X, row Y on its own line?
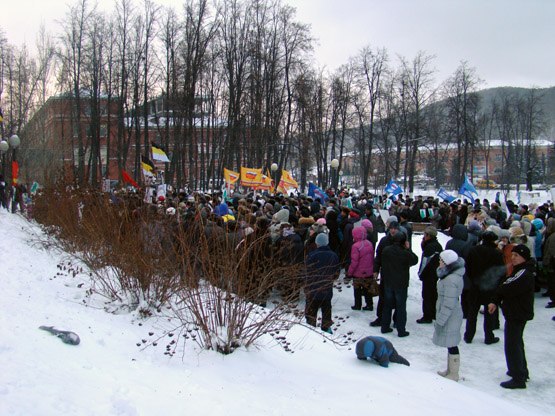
column 361, row 269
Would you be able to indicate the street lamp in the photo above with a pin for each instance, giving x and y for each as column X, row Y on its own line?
column 340, row 180
column 334, row 165
column 274, row 168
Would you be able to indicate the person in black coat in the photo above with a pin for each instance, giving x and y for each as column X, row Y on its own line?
column 516, row 297
column 289, row 249
column 396, row 262
column 385, row 241
column 322, row 268
column 484, row 267
column 427, row 274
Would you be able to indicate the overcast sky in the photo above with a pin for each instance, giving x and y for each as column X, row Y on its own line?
column 509, row 42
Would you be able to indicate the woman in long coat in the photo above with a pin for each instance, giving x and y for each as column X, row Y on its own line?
column 449, row 315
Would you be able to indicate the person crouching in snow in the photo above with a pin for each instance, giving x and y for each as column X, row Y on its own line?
column 322, row 268
column 449, row 314
column 361, row 269
column 379, row 349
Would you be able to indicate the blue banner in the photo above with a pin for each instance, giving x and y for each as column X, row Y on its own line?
column 442, row 193
column 316, row 192
column 393, row 187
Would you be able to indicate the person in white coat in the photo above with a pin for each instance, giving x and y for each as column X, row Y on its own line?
column 449, row 314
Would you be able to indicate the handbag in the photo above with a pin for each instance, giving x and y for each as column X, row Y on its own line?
column 374, row 287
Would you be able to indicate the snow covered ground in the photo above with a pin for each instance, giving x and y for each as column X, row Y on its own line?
column 108, row 374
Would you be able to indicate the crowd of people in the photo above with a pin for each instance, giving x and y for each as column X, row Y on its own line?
column 497, row 258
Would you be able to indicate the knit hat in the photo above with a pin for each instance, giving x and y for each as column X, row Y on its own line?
column 474, row 225
column 504, row 234
column 391, row 219
column 321, row 221
column 431, row 231
column 538, row 223
column 522, row 251
column 448, row 256
column 489, row 237
column 322, row 240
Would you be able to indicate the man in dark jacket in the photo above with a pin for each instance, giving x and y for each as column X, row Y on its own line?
column 289, row 250
column 485, row 268
column 387, row 240
column 322, row 268
column 427, row 274
column 516, row 297
column 396, row 262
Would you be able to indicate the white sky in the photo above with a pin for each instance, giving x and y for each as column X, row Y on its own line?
column 509, row 42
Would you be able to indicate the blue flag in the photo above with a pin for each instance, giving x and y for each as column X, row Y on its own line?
column 442, row 193
column 393, row 187
column 467, row 189
column 316, row 192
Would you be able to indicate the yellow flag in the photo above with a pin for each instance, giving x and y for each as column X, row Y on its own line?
column 251, row 177
column 230, row 176
column 288, row 180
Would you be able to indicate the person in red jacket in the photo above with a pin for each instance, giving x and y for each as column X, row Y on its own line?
column 361, row 269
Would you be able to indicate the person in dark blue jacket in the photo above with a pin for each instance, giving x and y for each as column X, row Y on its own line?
column 322, row 268
column 379, row 349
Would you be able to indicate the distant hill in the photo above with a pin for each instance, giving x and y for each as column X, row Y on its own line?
column 488, row 95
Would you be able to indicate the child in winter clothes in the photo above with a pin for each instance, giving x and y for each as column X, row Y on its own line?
column 361, row 269
column 379, row 349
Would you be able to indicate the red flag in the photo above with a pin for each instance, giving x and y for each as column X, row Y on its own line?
column 15, row 172
column 126, row 178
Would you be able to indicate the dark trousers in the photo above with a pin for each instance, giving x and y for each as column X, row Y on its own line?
column 514, row 350
column 429, row 298
column 360, row 289
column 311, row 312
column 395, row 299
column 473, row 310
column 551, row 283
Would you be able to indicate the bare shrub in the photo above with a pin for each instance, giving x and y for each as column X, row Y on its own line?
column 129, row 250
column 225, row 280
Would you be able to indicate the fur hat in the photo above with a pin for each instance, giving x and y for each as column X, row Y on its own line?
column 448, row 257
column 522, row 251
column 322, row 240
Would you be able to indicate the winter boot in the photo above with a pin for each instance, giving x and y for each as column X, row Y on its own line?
column 454, row 364
column 444, row 373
